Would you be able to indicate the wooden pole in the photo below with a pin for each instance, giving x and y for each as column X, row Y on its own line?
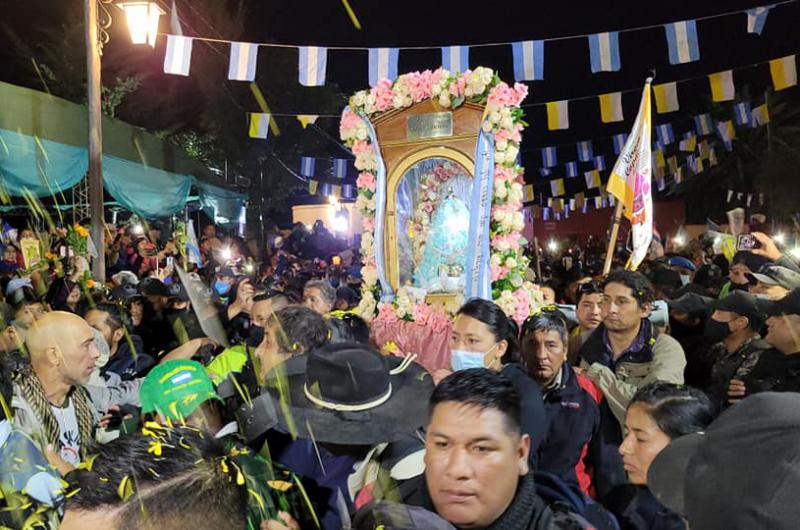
column 612, row 240
column 94, row 96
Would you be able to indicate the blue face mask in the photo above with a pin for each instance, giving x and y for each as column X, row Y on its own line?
column 221, row 287
column 462, row 359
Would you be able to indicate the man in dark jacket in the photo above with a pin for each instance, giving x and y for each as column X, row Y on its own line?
column 778, row 369
column 127, row 359
column 733, row 330
column 575, row 449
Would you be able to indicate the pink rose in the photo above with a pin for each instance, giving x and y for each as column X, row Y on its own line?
column 383, row 95
column 498, row 273
column 521, row 92
column 361, row 146
column 368, row 224
column 502, row 174
column 438, row 321
column 421, row 313
column 349, row 121
column 366, row 180
column 386, row 314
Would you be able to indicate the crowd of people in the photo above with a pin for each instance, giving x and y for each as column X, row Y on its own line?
column 224, row 393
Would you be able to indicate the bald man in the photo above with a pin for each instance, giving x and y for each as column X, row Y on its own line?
column 50, row 402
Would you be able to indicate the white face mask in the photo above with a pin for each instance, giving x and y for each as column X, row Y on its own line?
column 463, row 359
column 685, row 278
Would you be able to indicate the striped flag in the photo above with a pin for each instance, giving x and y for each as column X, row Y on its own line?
column 340, row 168
column 598, row 202
column 572, row 204
column 259, row 125
column 682, row 42
column 784, row 72
column 703, row 149
column 557, row 187
column 619, row 142
column 661, row 183
column 600, row 162
column 760, row 115
column 585, row 153
column 726, row 130
column 544, row 172
column 529, row 196
column 658, row 171
column 678, row 175
column 549, row 156
column 455, row 58
column 741, row 113
column 528, row 60
column 672, row 163
column 722, row 88
column 756, row 18
column 178, row 58
column 658, row 158
column 382, row 64
column 604, row 52
column 689, row 143
column 349, row 191
column 630, row 182
column 305, row 119
column 242, row 65
column 611, row 107
column 592, row 179
column 666, row 97
column 572, row 169
column 313, row 65
column 307, row 164
column 545, row 214
column 336, row 190
column 703, row 124
column 557, row 115
column 665, row 135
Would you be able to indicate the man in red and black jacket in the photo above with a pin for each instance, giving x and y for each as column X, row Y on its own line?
column 575, row 449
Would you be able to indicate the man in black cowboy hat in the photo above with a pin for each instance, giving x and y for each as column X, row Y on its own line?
column 354, row 413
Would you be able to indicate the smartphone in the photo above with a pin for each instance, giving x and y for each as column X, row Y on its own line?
column 169, row 261
column 747, row 242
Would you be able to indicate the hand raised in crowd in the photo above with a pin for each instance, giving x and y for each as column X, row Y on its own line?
column 61, row 465
column 244, row 299
column 736, row 391
column 768, row 248
column 286, row 522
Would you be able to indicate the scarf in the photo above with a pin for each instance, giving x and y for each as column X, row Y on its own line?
column 33, row 393
column 527, row 510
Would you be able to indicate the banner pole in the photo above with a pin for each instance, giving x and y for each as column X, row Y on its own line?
column 612, row 240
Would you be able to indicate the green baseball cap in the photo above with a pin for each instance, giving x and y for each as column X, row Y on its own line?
column 176, row 388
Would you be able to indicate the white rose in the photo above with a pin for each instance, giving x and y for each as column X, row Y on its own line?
column 503, row 246
column 436, row 89
column 499, row 157
column 507, row 123
column 361, row 133
column 511, row 263
column 444, row 99
column 501, row 145
column 519, row 221
column 511, row 153
column 369, row 275
column 358, row 98
column 495, row 117
column 397, row 101
column 495, row 261
column 371, row 203
column 501, row 192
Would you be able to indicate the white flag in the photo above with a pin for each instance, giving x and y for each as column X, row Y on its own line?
column 179, row 55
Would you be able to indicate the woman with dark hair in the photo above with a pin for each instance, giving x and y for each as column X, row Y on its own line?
column 658, row 414
column 484, row 337
column 347, row 327
column 65, row 295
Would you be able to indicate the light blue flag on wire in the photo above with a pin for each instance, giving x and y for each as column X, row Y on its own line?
column 382, row 64
column 756, row 18
column 604, row 52
column 307, row 164
column 703, row 124
column 619, row 142
column 665, row 135
column 600, row 162
column 682, row 42
column 741, row 113
column 572, row 169
column 455, row 58
column 340, row 168
column 243, row 59
column 528, row 60
column 313, row 65
column 585, row 153
column 549, row 156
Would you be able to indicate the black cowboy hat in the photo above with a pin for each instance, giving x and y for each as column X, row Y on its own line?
column 351, row 394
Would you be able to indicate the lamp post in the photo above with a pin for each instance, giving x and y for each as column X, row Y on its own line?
column 142, row 20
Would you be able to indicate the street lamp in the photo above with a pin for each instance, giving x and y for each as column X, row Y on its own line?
column 142, row 20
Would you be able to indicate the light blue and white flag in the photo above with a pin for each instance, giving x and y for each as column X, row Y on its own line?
column 549, row 156
column 741, row 113
column 703, row 124
column 545, row 213
column 242, row 66
column 307, row 164
column 455, row 58
column 340, row 168
column 349, row 191
column 600, row 162
column 664, row 132
column 604, row 52
column 192, row 248
column 382, row 64
column 312, row 65
column 545, row 172
column 619, row 142
column 585, row 153
column 178, row 58
column 682, row 42
column 756, row 18
column 528, row 60
column 572, row 169
column 478, row 276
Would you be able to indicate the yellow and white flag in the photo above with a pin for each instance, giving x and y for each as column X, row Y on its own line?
column 630, row 181
column 611, row 107
column 722, row 88
column 666, row 97
column 259, row 125
column 784, row 72
column 557, row 187
column 305, row 119
column 557, row 115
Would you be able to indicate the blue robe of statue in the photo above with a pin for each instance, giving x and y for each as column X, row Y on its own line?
column 446, row 244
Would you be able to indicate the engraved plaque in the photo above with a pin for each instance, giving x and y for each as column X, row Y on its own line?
column 431, row 125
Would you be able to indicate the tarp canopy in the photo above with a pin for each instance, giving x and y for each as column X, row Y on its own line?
column 43, row 150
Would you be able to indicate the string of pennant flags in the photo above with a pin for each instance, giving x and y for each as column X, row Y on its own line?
column 528, row 55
